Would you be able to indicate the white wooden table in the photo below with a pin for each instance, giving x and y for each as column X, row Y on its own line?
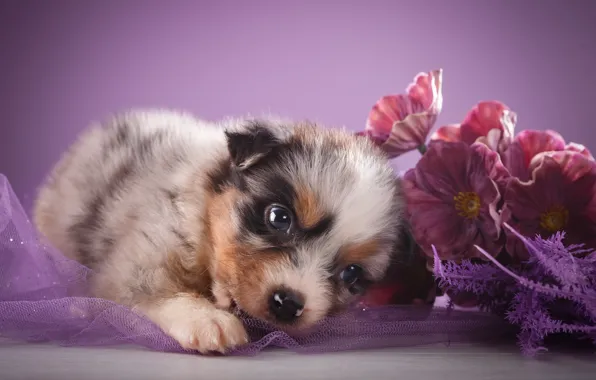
column 458, row 362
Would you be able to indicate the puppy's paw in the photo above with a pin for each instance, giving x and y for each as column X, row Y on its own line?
column 209, row 330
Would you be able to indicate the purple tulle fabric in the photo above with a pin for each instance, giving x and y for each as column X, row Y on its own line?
column 42, row 299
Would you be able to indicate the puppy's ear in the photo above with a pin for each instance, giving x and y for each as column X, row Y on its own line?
column 248, row 145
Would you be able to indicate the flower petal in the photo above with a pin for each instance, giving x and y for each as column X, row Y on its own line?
column 487, row 116
column 441, row 171
column 493, row 165
column 579, row 148
column 427, row 90
column 489, row 179
column 409, row 134
column 525, row 146
column 492, row 139
column 404, row 121
column 434, row 221
column 449, row 132
column 386, row 112
column 574, row 164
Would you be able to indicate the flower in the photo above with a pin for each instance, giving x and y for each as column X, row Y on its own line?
column 525, row 146
column 401, row 123
column 452, row 196
column 579, row 148
column 561, row 196
column 489, row 122
column 530, row 144
column 451, row 132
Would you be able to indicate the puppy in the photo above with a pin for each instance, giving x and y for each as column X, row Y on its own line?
column 180, row 219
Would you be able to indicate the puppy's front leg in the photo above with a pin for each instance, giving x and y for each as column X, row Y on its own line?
column 196, row 323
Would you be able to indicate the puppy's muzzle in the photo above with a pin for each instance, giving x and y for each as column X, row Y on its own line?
column 286, row 306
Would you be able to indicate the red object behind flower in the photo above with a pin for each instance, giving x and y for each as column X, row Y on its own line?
column 406, row 282
column 452, row 196
column 401, row 123
column 489, row 122
column 561, row 196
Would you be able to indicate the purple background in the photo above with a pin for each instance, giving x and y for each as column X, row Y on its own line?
column 66, row 63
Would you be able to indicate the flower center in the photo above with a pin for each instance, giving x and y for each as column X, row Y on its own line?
column 555, row 219
column 468, row 204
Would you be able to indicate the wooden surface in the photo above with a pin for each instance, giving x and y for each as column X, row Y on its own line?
column 461, row 362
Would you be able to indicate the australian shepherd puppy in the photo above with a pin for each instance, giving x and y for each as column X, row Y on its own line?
column 180, row 219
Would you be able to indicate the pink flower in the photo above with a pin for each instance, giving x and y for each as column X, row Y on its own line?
column 489, row 122
column 401, row 123
column 561, row 196
column 530, row 143
column 451, row 132
column 579, row 148
column 452, row 196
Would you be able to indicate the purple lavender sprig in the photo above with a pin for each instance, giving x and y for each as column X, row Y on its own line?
column 553, row 292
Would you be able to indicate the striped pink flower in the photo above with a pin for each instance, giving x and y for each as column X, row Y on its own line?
column 401, row 123
column 489, row 122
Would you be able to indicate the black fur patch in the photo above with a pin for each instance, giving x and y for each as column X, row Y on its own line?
column 120, row 138
column 255, row 140
column 252, row 214
column 225, row 176
column 83, row 232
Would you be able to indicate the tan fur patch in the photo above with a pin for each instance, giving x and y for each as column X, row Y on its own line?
column 236, row 268
column 219, row 230
column 310, row 134
column 307, row 207
column 193, row 278
column 359, row 252
column 253, row 289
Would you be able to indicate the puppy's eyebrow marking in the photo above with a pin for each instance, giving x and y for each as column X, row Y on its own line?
column 308, row 208
column 322, row 227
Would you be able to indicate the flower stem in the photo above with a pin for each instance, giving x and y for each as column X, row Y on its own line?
column 422, row 149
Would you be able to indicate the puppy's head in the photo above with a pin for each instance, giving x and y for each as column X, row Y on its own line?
column 306, row 219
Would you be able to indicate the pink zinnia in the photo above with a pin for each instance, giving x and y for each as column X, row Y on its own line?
column 401, row 123
column 561, row 196
column 452, row 196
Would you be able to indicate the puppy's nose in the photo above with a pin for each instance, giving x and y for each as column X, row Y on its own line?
column 285, row 306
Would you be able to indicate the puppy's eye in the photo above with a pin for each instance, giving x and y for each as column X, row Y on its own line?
column 353, row 278
column 280, row 218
